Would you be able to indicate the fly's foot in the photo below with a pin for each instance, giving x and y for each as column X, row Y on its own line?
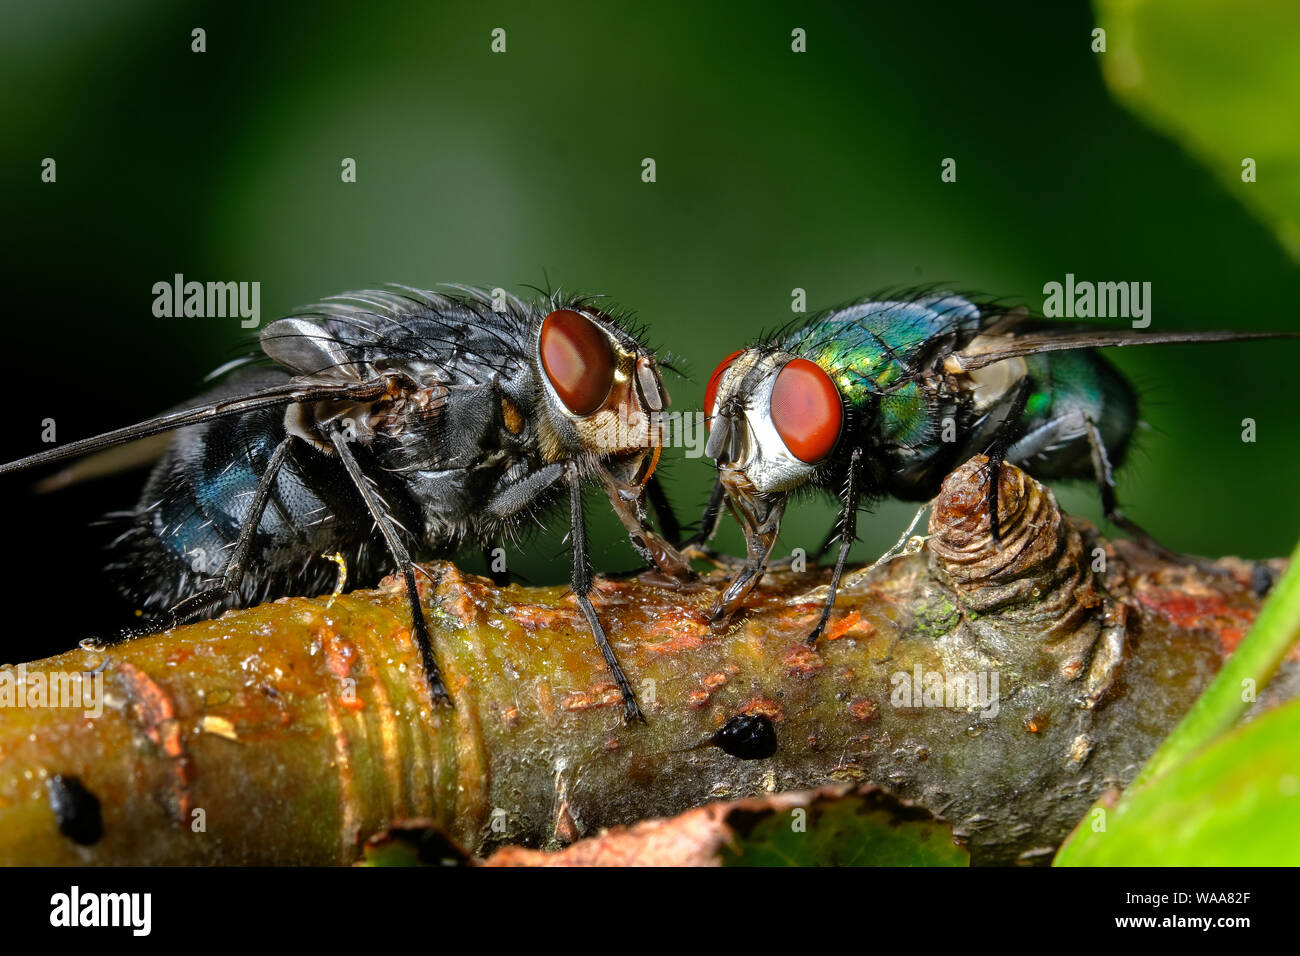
column 438, row 691
column 631, row 709
column 722, row 562
column 720, row 618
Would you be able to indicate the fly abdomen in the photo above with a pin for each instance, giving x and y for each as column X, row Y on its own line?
column 1069, row 390
column 184, row 530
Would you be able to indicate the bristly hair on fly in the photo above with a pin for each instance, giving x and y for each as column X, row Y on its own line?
column 887, row 395
column 428, row 420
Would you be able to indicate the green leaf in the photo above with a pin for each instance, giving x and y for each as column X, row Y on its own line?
column 1222, row 79
column 1236, row 803
column 1252, row 665
column 867, row 829
column 1178, row 766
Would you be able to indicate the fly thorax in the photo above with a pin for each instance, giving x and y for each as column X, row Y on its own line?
column 363, row 421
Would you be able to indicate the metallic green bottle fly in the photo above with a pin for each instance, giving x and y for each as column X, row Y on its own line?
column 883, row 398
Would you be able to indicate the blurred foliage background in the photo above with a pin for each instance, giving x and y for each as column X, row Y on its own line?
column 775, row 170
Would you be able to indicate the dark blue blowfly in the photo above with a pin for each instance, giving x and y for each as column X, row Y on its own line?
column 443, row 419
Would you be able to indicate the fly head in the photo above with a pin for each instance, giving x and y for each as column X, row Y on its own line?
column 601, row 396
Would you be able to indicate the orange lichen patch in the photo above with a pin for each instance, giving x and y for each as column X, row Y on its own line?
column 682, row 642
column 1199, row 608
column 545, row 699
column 711, row 682
column 716, row 679
column 460, row 594
column 155, row 711
column 840, row 625
column 340, row 657
column 762, row 705
column 510, row 716
column 537, row 617
column 863, row 709
column 802, row 661
column 341, row 654
column 179, row 655
column 682, row 624
column 599, row 695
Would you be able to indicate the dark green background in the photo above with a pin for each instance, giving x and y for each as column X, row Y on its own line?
column 775, row 170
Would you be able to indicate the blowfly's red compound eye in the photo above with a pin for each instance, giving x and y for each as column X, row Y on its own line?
column 806, row 410
column 578, row 360
column 711, row 390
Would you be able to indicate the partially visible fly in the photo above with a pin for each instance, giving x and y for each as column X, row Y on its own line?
column 442, row 419
column 884, row 397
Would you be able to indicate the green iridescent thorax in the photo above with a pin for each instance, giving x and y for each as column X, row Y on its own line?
column 866, row 348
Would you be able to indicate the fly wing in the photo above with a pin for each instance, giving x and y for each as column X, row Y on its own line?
column 988, row 349
column 353, row 347
column 278, row 395
column 144, row 452
column 125, row 457
column 459, row 338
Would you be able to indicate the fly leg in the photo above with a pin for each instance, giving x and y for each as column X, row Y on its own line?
column 709, row 521
column 581, row 583
column 402, row 559
column 696, row 546
column 668, row 524
column 848, row 525
column 997, row 453
column 233, row 574
column 1110, row 506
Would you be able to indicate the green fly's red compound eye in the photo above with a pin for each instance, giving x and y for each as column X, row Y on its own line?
column 806, row 410
column 711, row 390
column 578, row 360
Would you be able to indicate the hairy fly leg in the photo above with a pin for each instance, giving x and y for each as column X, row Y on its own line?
column 848, row 525
column 522, row 494
column 1006, row 433
column 581, row 583
column 697, row 545
column 653, row 548
column 401, row 557
column 1110, row 507
column 669, row 526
